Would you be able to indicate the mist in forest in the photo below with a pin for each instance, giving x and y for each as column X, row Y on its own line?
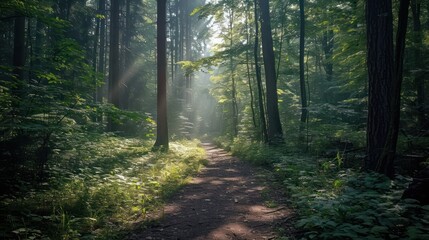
column 108, row 107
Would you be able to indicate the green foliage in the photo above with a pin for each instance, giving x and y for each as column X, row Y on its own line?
column 336, row 203
column 57, row 98
column 97, row 186
column 364, row 205
column 261, row 155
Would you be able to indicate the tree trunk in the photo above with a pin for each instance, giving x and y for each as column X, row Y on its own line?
column 171, row 29
column 94, row 57
column 249, row 78
column 162, row 126
column 114, row 63
column 232, row 72
column 380, row 76
column 188, row 53
column 418, row 63
column 328, row 48
column 301, row 66
column 181, row 83
column 128, row 55
column 102, row 54
column 19, row 48
column 38, row 49
column 275, row 132
column 259, row 77
column 385, row 164
column 176, row 40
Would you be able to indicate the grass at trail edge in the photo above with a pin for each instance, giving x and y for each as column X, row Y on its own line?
column 97, row 188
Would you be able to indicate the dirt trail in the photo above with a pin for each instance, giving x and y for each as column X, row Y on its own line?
column 223, row 202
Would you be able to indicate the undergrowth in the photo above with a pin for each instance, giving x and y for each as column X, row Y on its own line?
column 97, row 189
column 333, row 202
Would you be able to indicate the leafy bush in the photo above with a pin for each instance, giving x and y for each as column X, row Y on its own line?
column 336, row 203
column 97, row 188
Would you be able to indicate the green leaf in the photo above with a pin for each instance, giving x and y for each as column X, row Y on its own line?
column 379, row 229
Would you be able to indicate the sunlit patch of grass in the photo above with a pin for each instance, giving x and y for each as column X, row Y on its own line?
column 98, row 188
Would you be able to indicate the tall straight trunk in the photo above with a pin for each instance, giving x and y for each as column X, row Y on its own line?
column 171, row 36
column 19, row 48
column 182, row 19
column 162, row 126
column 128, row 56
column 37, row 52
column 380, row 75
column 418, row 63
column 259, row 77
column 188, row 52
column 328, row 49
column 304, row 110
column 114, row 63
column 282, row 34
column 176, row 38
column 18, row 63
column 175, row 22
column 385, row 164
column 275, row 132
column 233, row 84
column 181, row 93
column 248, row 66
column 94, row 55
column 102, row 52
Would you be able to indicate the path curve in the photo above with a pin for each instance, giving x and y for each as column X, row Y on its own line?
column 222, row 202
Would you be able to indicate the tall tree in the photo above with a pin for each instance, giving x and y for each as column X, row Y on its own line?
column 385, row 164
column 259, row 77
column 232, row 74
column 274, row 130
column 380, row 76
column 19, row 46
column 162, row 126
column 18, row 59
column 127, row 55
column 249, row 67
column 114, row 63
column 419, row 72
column 304, row 110
column 102, row 54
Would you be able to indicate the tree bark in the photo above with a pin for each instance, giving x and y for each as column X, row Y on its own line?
column 259, row 77
column 249, row 78
column 171, row 20
column 232, row 72
column 114, row 63
column 380, row 77
column 38, row 49
column 162, row 126
column 94, row 58
column 188, row 52
column 274, row 130
column 304, row 106
column 102, row 54
column 128, row 55
column 385, row 164
column 328, row 48
column 176, row 40
column 19, row 48
column 419, row 73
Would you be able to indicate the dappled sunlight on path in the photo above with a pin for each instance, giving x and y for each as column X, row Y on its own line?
column 223, row 202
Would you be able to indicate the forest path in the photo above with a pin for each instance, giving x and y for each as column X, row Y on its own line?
column 224, row 201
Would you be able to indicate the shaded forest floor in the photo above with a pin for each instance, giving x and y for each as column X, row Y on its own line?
column 103, row 186
column 228, row 199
